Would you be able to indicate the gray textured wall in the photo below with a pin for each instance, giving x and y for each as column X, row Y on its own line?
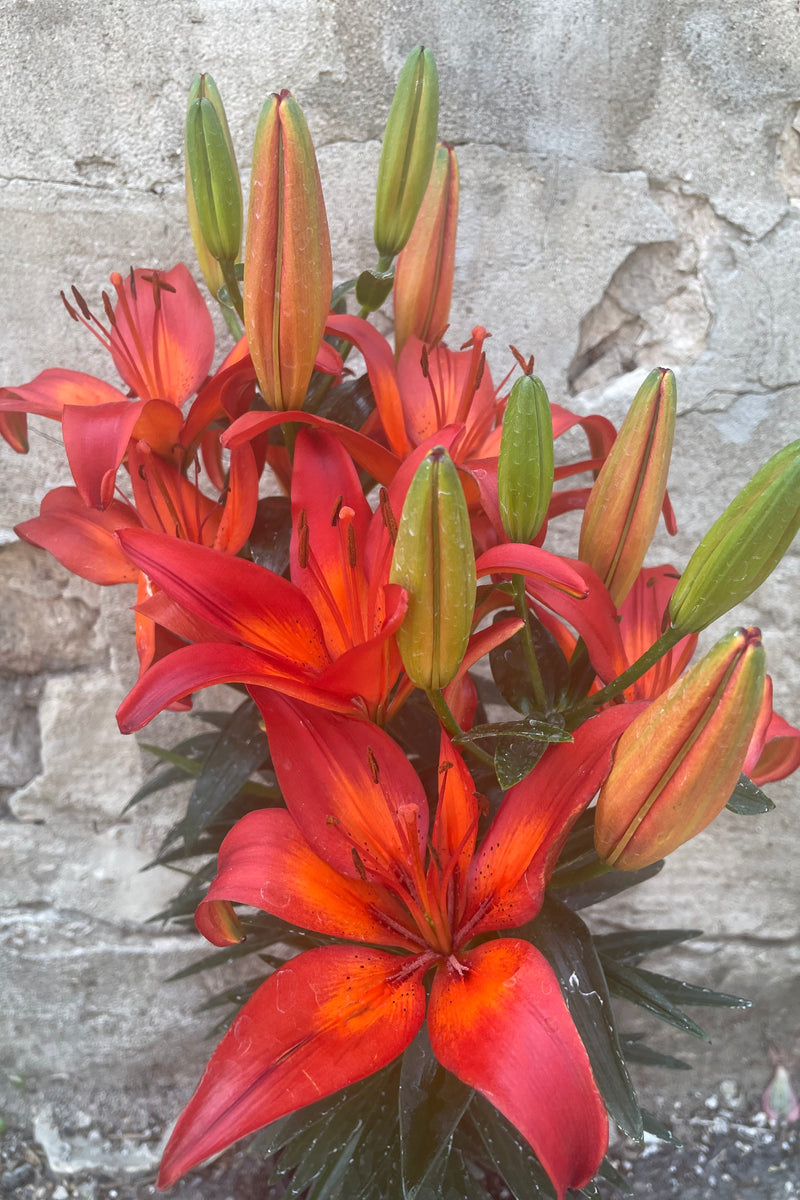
column 630, row 191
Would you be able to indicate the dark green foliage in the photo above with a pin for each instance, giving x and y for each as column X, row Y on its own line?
column 271, row 534
column 748, row 800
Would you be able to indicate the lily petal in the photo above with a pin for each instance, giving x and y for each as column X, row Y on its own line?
column 267, row 863
column 328, row 1018
column 502, row 1027
column 347, row 784
column 513, row 865
column 82, row 538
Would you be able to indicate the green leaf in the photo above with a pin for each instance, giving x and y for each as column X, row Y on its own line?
column 602, row 887
column 157, row 783
column 432, row 1102
column 609, row 1172
column 509, row 1154
column 636, row 1051
column 189, row 766
column 748, row 799
column 658, row 1129
column 372, row 288
column 238, row 750
column 568, row 946
column 271, row 534
column 628, row 945
column 675, row 990
column 514, row 760
column 509, row 670
column 630, row 983
column 534, row 728
column 349, row 403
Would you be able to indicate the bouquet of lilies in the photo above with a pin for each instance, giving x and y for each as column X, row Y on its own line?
column 430, row 1013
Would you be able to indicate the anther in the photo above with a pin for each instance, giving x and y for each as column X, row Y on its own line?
column 352, row 555
column 336, row 510
column 302, row 540
column 387, row 514
column 526, row 365
column 109, row 310
column 132, row 278
column 358, row 864
column 69, row 308
column 374, row 770
column 81, row 303
column 423, row 362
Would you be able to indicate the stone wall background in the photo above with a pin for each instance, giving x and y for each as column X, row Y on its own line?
column 630, row 197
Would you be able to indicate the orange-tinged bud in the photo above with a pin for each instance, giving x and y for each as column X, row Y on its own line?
column 423, row 282
column 677, row 763
column 407, row 153
column 434, row 561
column 622, row 511
column 288, row 274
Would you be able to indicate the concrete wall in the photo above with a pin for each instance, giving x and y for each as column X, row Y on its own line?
column 630, row 191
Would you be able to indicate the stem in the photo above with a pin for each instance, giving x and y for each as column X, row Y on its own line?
column 521, row 605
column 232, row 285
column 448, row 721
column 642, row 665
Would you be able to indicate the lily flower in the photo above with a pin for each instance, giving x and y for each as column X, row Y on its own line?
column 353, row 859
column 160, row 336
column 325, row 637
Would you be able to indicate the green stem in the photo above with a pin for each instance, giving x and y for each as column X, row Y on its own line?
column 448, row 721
column 232, row 286
column 642, row 665
column 521, row 605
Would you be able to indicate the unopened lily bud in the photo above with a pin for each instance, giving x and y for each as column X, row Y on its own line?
column 525, row 465
column 407, row 155
column 677, row 763
column 434, row 561
column 423, row 282
column 623, row 507
column 213, row 190
column 288, row 274
column 743, row 546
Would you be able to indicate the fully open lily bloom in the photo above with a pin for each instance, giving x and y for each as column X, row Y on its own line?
column 160, row 336
column 326, row 636
column 353, row 858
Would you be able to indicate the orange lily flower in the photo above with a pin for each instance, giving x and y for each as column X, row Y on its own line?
column 349, row 860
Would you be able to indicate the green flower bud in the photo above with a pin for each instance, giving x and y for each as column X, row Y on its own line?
column 407, row 155
column 213, row 187
column 743, row 546
column 434, row 561
column 525, row 465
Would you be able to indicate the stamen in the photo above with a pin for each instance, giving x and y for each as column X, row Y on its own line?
column 358, row 864
column 82, row 305
column 387, row 514
column 336, row 510
column 352, row 552
column 373, row 765
column 302, row 540
column 69, row 308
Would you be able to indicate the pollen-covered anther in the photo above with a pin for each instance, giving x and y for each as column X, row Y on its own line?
column 374, row 769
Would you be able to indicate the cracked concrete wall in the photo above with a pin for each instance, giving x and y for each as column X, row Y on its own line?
column 630, row 197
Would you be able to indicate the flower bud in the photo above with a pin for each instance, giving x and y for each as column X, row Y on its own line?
column 423, row 283
column 743, row 546
column 288, row 274
column 434, row 561
column 213, row 190
column 525, row 465
column 677, row 763
column 407, row 155
column 623, row 508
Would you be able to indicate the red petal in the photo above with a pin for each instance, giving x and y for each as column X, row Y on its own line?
column 780, row 755
column 641, row 619
column 345, row 783
column 166, row 500
column 328, row 1018
column 570, row 589
column 381, row 371
column 376, row 459
column 162, row 340
column 456, row 824
column 14, row 429
column 243, row 600
column 514, row 862
column 267, row 863
column 192, row 667
column 241, row 502
column 503, row 1028
column 81, row 538
column 46, row 395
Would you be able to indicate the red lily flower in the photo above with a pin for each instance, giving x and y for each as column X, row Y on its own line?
column 325, row 637
column 161, row 339
column 349, row 860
